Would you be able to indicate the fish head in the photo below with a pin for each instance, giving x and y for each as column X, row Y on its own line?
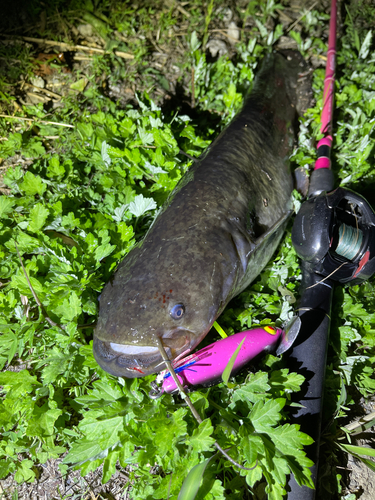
column 135, row 311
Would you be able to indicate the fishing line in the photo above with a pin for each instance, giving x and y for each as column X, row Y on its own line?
column 350, row 241
column 324, row 279
column 347, row 240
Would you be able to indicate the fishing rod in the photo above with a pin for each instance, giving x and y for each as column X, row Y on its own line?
column 334, row 236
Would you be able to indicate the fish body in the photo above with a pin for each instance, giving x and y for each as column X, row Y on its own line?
column 213, row 236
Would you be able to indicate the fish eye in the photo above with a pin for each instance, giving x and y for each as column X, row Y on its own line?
column 177, row 311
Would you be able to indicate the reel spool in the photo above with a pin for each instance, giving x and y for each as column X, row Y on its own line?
column 335, row 234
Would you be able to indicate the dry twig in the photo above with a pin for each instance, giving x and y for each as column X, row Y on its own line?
column 36, row 120
column 44, row 91
column 361, row 423
column 192, row 87
column 71, row 47
column 37, row 96
column 301, row 17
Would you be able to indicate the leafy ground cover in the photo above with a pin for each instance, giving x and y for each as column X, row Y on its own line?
column 91, row 144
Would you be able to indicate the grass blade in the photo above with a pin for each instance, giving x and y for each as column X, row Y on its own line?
column 193, row 481
column 228, row 369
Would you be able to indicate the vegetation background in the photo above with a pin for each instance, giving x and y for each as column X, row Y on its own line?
column 103, row 104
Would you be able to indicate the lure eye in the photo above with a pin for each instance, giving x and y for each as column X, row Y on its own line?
column 177, row 311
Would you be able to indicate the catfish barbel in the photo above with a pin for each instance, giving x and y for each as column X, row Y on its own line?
column 215, row 233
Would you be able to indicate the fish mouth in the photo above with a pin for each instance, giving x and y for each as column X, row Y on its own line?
column 133, row 361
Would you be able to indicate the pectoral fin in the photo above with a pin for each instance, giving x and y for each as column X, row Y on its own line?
column 278, row 225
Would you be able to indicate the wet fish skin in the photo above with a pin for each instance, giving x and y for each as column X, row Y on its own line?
column 213, row 236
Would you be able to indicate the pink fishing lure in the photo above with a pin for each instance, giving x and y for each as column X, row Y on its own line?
column 205, row 367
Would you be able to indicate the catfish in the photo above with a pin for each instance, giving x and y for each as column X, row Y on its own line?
column 213, row 236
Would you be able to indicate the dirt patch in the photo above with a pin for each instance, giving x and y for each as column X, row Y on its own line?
column 52, row 485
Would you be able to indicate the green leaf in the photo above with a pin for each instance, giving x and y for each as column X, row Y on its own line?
column 358, row 450
column 6, row 204
column 88, row 356
column 102, row 432
column 109, row 465
column 79, row 85
column 154, row 170
column 253, row 476
column 38, row 216
column 32, row 184
column 86, row 129
column 193, row 480
column 141, row 205
column 285, row 381
column 232, row 98
column 12, row 145
column 41, row 423
column 365, row 47
column 18, row 383
column 126, row 232
column 55, row 169
column 104, row 391
column 219, row 330
column 56, row 364
column 82, row 451
column 7, row 466
column 194, row 42
column 228, row 369
column 370, row 463
column 105, row 156
column 266, row 414
column 25, row 243
column 175, row 428
column 146, row 137
column 361, row 450
column 103, row 251
column 254, row 389
column 252, row 445
column 262, row 28
column 201, row 439
column 33, row 148
column 70, row 309
column 25, row 472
